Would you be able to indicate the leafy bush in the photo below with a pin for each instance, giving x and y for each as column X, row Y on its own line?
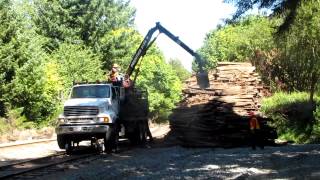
column 239, row 41
column 4, row 126
column 292, row 115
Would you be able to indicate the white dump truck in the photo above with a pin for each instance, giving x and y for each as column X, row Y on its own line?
column 97, row 111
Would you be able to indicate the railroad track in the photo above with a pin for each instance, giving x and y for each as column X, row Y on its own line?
column 8, row 145
column 35, row 165
column 35, row 168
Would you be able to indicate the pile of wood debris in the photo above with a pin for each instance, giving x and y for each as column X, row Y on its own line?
column 217, row 116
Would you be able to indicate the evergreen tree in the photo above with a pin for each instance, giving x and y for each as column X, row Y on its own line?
column 79, row 21
column 8, row 30
column 21, row 67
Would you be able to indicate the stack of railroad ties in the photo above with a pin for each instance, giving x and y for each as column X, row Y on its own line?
column 217, row 116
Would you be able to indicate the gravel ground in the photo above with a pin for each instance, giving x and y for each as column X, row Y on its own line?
column 286, row 162
column 175, row 162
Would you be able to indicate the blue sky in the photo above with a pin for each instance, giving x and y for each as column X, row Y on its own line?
column 189, row 19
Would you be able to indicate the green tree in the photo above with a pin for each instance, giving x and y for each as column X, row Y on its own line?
column 298, row 64
column 118, row 46
column 162, row 83
column 76, row 63
column 238, row 41
column 21, row 67
column 8, row 30
column 79, row 21
column 178, row 68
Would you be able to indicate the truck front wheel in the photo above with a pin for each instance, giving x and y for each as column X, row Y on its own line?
column 68, row 146
column 111, row 140
column 61, row 139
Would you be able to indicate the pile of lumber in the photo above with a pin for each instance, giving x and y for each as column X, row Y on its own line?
column 217, row 116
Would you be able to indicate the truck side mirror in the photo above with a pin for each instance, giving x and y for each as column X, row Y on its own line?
column 203, row 79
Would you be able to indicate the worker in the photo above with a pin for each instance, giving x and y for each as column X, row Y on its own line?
column 114, row 74
column 255, row 131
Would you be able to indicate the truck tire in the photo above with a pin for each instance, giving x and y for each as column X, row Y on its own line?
column 111, row 140
column 142, row 134
column 61, row 139
column 138, row 136
column 68, row 146
column 133, row 138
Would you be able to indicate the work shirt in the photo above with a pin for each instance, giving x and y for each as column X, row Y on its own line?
column 114, row 76
column 254, row 123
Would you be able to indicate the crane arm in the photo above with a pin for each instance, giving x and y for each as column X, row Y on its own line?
column 202, row 76
column 182, row 44
column 141, row 51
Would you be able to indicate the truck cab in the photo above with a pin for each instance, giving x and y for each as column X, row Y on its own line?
column 90, row 113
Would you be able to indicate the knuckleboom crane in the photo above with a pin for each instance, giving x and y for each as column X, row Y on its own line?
column 202, row 75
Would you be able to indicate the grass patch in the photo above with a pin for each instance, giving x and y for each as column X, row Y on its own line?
column 293, row 116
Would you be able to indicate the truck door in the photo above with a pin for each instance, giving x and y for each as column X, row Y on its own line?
column 115, row 101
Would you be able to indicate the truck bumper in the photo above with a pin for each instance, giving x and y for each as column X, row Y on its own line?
column 82, row 129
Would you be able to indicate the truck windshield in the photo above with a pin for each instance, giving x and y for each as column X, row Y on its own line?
column 92, row 91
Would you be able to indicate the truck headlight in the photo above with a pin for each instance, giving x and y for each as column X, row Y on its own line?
column 61, row 120
column 105, row 119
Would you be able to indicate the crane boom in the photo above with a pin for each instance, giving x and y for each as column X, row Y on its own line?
column 202, row 76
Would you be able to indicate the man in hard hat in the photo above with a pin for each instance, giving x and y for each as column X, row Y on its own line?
column 114, row 74
column 255, row 131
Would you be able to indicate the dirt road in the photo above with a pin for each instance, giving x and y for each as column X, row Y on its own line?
column 175, row 162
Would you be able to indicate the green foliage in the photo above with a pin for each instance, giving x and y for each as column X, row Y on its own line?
column 74, row 63
column 118, row 46
column 22, row 57
column 4, row 126
column 79, row 21
column 180, row 71
column 163, row 86
column 14, row 120
column 8, row 30
column 238, row 42
column 292, row 115
column 299, row 67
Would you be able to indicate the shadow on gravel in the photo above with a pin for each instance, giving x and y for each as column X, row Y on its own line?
column 290, row 162
column 242, row 163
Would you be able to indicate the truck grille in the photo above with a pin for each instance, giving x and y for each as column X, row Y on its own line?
column 80, row 111
column 80, row 120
